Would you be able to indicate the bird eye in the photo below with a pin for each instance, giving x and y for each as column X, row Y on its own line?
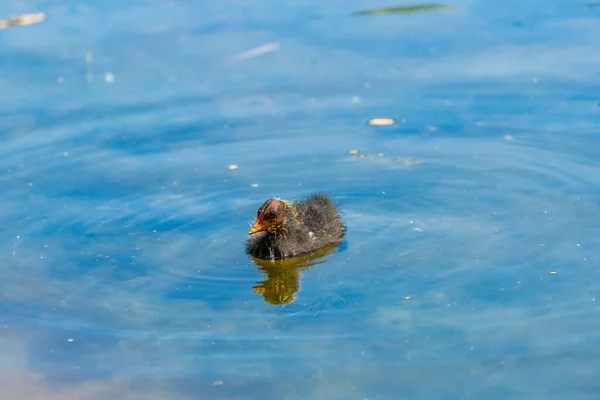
column 272, row 214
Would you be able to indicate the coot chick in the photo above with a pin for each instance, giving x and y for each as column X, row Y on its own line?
column 283, row 229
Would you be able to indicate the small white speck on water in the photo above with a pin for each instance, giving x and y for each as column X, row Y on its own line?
column 70, row 340
column 545, row 212
column 18, row 237
column 382, row 192
column 255, row 185
column 353, row 151
column 356, row 99
column 233, row 166
column 578, row 245
column 381, row 121
column 65, row 154
column 410, row 222
column 109, row 77
column 257, row 51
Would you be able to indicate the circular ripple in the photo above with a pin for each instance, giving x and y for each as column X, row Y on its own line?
column 149, row 247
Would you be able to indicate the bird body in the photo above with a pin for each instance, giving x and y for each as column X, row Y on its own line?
column 283, row 229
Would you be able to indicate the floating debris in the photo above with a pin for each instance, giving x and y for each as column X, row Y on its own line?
column 25, row 19
column 109, row 78
column 407, row 297
column 552, row 272
column 381, row 121
column 70, row 340
column 232, row 167
column 545, row 212
column 509, row 137
column 257, row 51
column 254, row 185
column 408, row 161
column 353, row 151
column 403, row 9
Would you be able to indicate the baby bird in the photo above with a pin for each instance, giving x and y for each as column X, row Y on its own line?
column 283, row 229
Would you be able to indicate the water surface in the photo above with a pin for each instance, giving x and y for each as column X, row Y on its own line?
column 470, row 266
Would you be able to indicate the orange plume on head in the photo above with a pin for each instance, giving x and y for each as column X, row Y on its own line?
column 269, row 217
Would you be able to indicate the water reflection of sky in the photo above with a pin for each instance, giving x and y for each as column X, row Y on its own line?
column 124, row 272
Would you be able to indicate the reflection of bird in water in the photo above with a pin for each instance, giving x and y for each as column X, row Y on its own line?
column 283, row 276
column 283, row 229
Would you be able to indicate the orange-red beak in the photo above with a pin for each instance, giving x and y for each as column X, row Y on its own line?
column 257, row 227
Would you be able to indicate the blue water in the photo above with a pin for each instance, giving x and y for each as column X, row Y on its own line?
column 470, row 267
